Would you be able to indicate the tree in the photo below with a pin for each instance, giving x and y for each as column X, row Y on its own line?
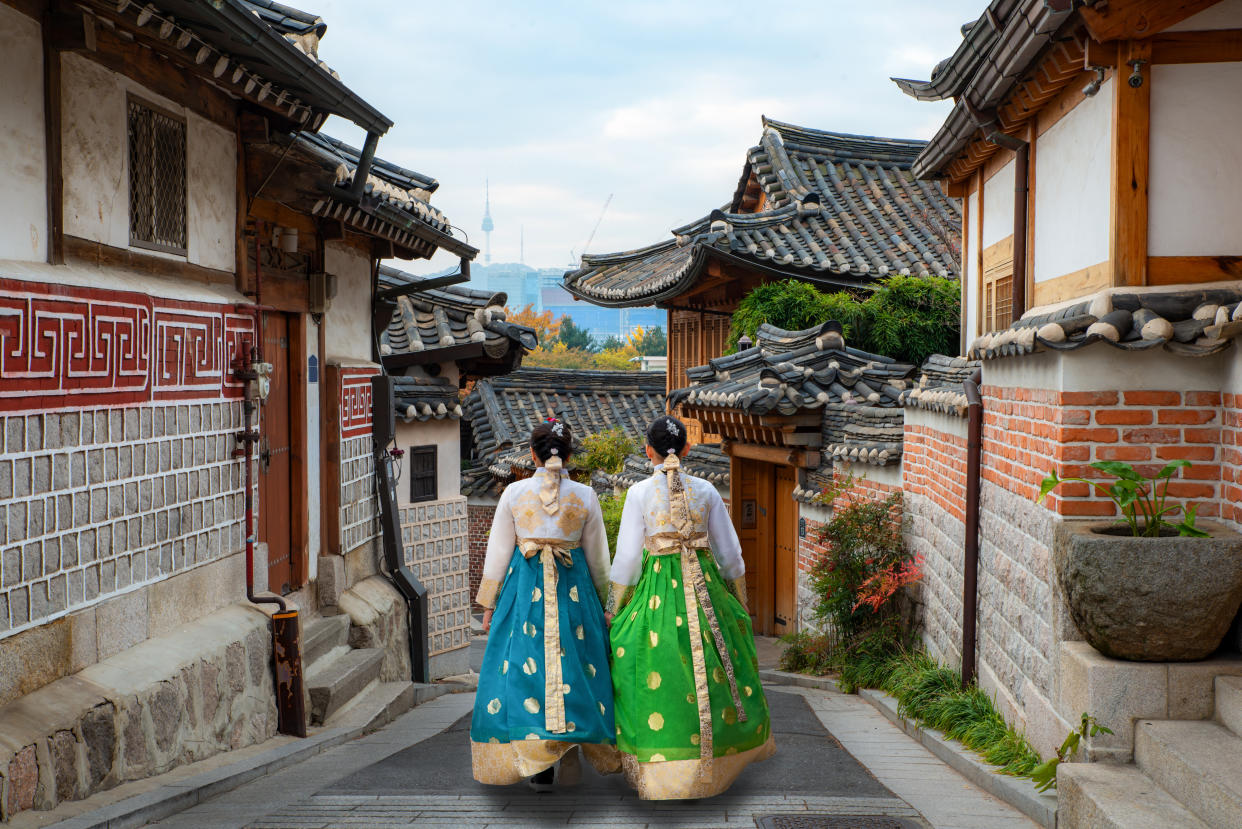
column 546, row 326
column 617, row 359
column 574, row 337
column 652, row 343
column 558, row 356
column 908, row 318
column 612, row 343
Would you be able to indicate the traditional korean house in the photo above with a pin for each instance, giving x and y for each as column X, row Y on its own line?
column 797, row 408
column 1095, row 149
column 839, row 211
column 440, row 338
column 186, row 280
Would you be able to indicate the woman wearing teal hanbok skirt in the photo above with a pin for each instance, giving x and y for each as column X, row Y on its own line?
column 544, row 686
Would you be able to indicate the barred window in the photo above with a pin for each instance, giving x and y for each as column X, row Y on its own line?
column 157, row 183
column 423, row 481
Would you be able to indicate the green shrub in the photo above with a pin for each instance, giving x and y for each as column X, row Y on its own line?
column 611, row 507
column 605, row 451
column 807, row 653
column 908, row 318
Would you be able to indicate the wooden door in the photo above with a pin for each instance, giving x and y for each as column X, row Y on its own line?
column 275, row 457
column 785, row 560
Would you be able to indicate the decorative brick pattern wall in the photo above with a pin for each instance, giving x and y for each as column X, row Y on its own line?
column 98, row 502
column 1231, row 459
column 359, row 506
column 480, row 521
column 436, row 548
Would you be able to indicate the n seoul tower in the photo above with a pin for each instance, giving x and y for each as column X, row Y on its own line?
column 487, row 223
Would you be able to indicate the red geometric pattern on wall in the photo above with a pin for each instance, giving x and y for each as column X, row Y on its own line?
column 356, row 401
column 67, row 347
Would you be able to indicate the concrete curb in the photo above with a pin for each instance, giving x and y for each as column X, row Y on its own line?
column 775, row 677
column 171, row 798
column 1021, row 794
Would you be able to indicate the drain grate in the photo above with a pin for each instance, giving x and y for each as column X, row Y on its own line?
column 804, row 821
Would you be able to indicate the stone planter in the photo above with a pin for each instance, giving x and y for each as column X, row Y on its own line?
column 1168, row 599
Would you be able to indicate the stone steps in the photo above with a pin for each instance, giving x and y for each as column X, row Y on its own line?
column 1229, row 703
column 322, row 635
column 1106, row 796
column 338, row 676
column 1198, row 762
column 376, row 705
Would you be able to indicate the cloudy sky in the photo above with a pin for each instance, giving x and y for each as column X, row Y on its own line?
column 560, row 104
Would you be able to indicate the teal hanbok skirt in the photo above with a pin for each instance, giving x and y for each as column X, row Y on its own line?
column 521, row 725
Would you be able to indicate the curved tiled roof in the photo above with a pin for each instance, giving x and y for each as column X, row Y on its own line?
column 704, row 460
column 501, row 412
column 1195, row 322
column 939, row 388
column 450, row 316
column 840, row 208
column 792, row 371
column 422, row 399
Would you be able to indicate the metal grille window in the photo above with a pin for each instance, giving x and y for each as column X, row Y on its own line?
column 423, row 485
column 157, row 185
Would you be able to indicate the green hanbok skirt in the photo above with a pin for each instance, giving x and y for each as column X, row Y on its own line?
column 680, row 730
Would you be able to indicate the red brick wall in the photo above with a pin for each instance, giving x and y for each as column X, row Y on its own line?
column 1028, row 431
column 810, row 551
column 934, row 465
column 1231, row 459
column 479, row 517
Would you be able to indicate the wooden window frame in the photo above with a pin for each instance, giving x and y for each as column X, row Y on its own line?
column 433, row 493
column 135, row 241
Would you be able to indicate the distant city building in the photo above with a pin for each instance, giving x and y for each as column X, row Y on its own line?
column 542, row 288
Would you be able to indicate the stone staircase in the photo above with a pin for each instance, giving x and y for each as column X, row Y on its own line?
column 343, row 683
column 1186, row 774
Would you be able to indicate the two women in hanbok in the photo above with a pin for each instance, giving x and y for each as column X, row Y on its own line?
column 690, row 712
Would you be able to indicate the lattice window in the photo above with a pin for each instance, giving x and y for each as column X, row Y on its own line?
column 157, row 179
column 423, row 480
column 997, row 288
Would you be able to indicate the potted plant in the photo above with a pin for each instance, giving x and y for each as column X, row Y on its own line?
column 1145, row 588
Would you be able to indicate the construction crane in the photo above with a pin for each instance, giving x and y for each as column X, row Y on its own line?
column 602, row 211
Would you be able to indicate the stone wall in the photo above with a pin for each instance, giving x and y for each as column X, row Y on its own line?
column 171, row 700
column 479, row 517
column 435, row 536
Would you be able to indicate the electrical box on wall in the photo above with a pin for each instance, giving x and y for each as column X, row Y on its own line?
column 322, row 291
column 383, row 413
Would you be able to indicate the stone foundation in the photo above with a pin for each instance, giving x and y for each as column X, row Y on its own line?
column 171, row 700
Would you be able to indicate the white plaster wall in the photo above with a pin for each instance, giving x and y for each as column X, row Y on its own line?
column 1226, row 14
column 313, row 418
column 1195, row 196
column 970, row 253
column 446, row 434
column 1072, row 191
column 889, row 475
column 95, row 165
column 349, row 317
column 939, row 421
column 23, row 202
column 211, row 213
column 1098, row 367
column 998, row 206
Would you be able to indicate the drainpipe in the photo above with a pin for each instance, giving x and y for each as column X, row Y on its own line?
column 286, row 644
column 1021, row 184
column 970, row 558
column 364, row 165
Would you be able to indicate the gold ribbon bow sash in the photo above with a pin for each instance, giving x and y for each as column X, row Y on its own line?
column 550, row 552
column 694, row 585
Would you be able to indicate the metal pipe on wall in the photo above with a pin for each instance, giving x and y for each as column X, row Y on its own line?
column 1021, row 184
column 970, row 557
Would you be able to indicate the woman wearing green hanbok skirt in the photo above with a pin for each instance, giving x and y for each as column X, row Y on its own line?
column 690, row 711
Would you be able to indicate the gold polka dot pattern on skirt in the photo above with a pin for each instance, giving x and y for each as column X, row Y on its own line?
column 602, row 709
column 656, row 567
column 654, row 638
column 531, row 704
column 495, row 740
column 657, row 758
column 493, row 707
column 729, row 715
column 590, row 670
column 654, row 603
column 504, row 667
column 579, row 633
column 536, row 595
column 718, row 674
column 529, row 667
column 694, row 739
column 620, row 652
column 656, row 721
column 680, row 621
column 653, row 680
column 573, row 593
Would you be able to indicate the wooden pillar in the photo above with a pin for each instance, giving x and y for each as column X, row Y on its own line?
column 52, row 149
column 1131, row 133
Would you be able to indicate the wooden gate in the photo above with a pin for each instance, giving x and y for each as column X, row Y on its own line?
column 766, row 518
column 275, row 458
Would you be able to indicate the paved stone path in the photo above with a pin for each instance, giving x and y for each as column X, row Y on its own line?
column 836, row 755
